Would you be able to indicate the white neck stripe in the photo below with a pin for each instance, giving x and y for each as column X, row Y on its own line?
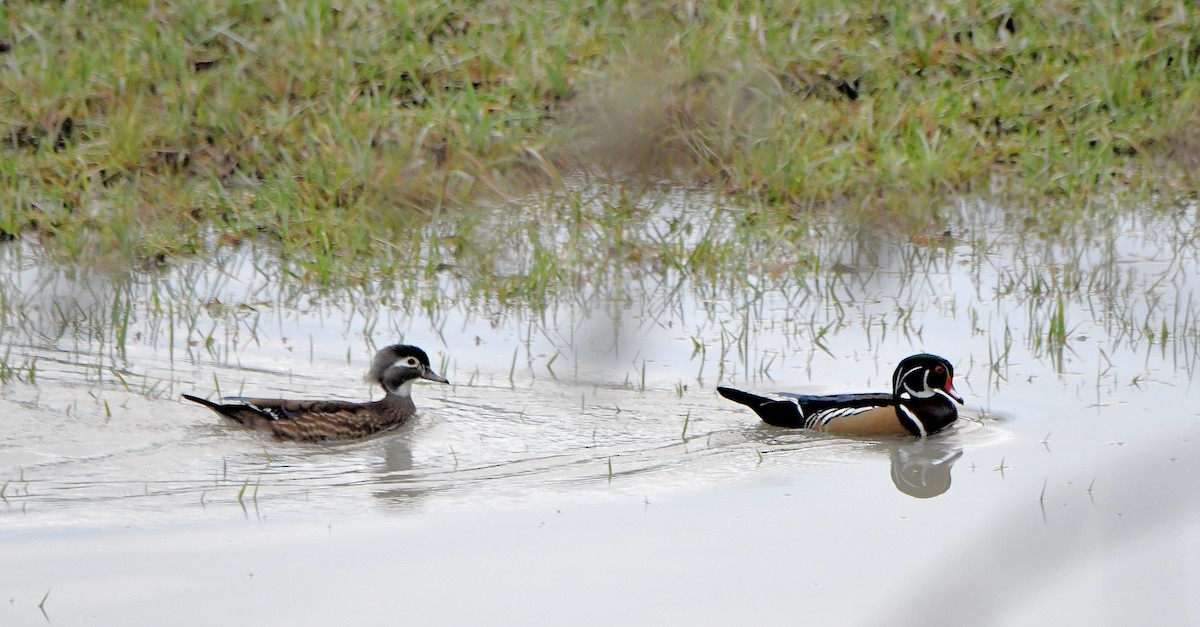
column 913, row 417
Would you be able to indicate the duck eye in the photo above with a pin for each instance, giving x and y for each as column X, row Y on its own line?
column 940, row 369
column 411, row 361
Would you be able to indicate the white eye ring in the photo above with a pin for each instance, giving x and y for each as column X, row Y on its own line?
column 407, row 362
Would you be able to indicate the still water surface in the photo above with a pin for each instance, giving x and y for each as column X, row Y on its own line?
column 581, row 468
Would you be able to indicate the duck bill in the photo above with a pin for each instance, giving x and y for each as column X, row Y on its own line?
column 949, row 389
column 433, row 376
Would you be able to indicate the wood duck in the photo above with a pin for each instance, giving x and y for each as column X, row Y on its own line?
column 395, row 368
column 921, row 403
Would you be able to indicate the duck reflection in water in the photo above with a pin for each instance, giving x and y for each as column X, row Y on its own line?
column 921, row 468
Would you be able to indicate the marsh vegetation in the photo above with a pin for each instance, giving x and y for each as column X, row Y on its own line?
column 590, row 214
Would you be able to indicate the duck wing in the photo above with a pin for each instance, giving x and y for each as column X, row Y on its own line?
column 314, row 420
column 811, row 403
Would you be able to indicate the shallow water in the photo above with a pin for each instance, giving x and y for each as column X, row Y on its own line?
column 582, row 469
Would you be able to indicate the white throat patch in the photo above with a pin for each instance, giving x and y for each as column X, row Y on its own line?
column 925, row 393
column 945, row 394
column 405, row 389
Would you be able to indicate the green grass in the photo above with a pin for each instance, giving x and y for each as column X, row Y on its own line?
column 140, row 132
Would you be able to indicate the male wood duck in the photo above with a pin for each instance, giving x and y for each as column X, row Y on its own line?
column 921, row 403
column 395, row 368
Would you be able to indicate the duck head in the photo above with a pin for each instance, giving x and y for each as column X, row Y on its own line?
column 923, row 376
column 397, row 366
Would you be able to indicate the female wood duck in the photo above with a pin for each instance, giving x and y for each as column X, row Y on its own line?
column 921, row 403
column 395, row 368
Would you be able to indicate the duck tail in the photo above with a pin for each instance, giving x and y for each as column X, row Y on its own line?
column 207, row 403
column 241, row 414
column 773, row 412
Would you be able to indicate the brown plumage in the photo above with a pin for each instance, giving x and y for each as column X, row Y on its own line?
column 394, row 368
